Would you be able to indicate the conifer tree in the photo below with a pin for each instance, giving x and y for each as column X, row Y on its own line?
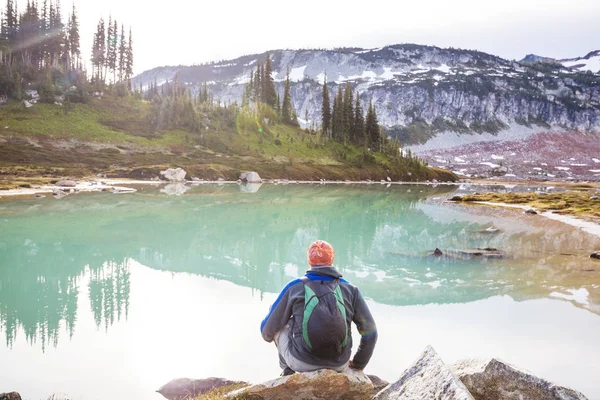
column 372, row 129
column 338, row 116
column 268, row 86
column 129, row 60
column 348, row 110
column 111, row 47
column 258, row 83
column 287, row 114
column 74, row 38
column 122, row 53
column 325, row 110
column 359, row 123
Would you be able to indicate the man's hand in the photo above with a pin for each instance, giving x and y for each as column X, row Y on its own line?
column 351, row 365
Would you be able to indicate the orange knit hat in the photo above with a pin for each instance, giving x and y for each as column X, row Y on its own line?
column 320, row 253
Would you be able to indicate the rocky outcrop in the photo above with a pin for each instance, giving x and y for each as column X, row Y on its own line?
column 10, row 396
column 185, row 388
column 428, row 378
column 322, row 384
column 250, row 177
column 378, row 383
column 493, row 379
column 174, row 174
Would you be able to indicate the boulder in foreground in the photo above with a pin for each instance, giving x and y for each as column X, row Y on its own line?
column 321, row 384
column 185, row 388
column 428, row 378
column 493, row 379
column 10, row 396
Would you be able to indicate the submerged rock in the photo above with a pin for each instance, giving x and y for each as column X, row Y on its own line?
column 493, row 379
column 185, row 388
column 321, row 384
column 428, row 378
column 174, row 174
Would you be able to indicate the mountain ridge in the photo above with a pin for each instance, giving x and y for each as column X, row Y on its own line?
column 419, row 91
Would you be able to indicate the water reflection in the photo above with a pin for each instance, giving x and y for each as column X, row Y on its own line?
column 381, row 235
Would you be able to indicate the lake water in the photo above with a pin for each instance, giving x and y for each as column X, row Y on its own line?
column 111, row 296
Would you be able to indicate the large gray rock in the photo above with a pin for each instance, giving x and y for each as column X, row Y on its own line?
column 250, row 177
column 174, row 174
column 320, row 384
column 10, row 396
column 185, row 388
column 428, row 378
column 378, row 383
column 493, row 379
column 66, row 183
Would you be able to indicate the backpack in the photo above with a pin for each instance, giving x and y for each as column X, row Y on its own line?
column 324, row 326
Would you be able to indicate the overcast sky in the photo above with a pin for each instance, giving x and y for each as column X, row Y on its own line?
column 194, row 31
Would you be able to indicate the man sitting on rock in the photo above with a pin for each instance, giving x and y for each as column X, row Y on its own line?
column 311, row 319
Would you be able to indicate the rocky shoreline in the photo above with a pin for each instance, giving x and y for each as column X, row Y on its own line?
column 427, row 378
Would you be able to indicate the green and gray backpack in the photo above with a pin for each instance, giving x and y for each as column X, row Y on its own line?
column 324, row 325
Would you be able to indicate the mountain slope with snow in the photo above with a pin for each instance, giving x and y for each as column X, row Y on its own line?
column 422, row 92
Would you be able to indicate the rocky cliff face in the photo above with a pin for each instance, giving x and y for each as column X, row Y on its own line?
column 421, row 91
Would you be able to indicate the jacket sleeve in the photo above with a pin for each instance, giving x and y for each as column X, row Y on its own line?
column 367, row 329
column 279, row 313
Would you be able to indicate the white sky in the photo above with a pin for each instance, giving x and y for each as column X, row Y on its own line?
column 187, row 32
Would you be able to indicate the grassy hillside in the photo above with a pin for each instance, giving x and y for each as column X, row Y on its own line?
column 116, row 136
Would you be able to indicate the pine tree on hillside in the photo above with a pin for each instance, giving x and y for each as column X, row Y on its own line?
column 359, row 124
column 325, row 110
column 338, row 115
column 372, row 129
column 258, row 83
column 74, row 39
column 287, row 113
column 268, row 86
column 122, row 53
column 129, row 60
column 348, row 110
column 111, row 48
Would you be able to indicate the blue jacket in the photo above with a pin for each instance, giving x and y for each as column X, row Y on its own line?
column 289, row 308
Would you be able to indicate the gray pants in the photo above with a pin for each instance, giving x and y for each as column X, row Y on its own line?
column 286, row 359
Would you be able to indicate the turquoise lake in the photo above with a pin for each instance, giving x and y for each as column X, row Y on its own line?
column 111, row 296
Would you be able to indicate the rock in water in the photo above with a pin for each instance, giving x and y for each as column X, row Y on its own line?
column 428, row 378
column 250, row 177
column 10, row 396
column 595, row 255
column 66, row 183
column 321, row 384
column 174, row 174
column 184, row 388
column 493, row 379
